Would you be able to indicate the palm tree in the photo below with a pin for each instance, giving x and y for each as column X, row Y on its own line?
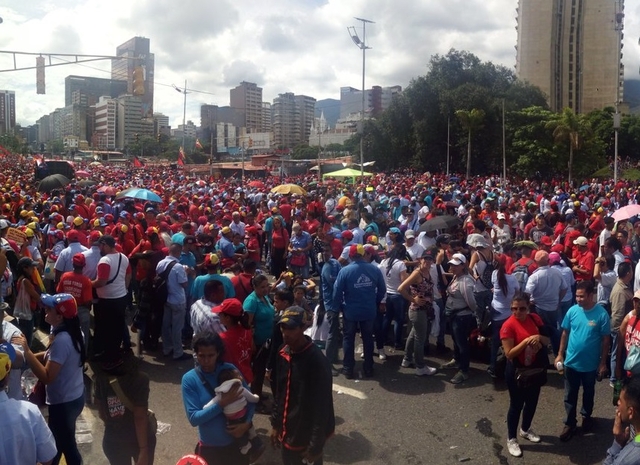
column 471, row 120
column 568, row 126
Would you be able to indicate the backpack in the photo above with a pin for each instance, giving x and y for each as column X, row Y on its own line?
column 485, row 277
column 521, row 273
column 159, row 288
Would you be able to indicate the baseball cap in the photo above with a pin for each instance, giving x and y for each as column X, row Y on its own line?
column 79, row 260
column 225, row 230
column 554, row 258
column 356, row 250
column 94, row 236
column 29, row 233
column 581, row 241
column 189, row 239
column 211, row 259
column 74, row 236
column 395, row 230
column 428, row 255
column 107, row 240
column 64, row 304
column 457, row 259
column 125, row 214
column 409, row 233
column 636, row 295
column 26, row 261
column 78, row 220
column 541, row 255
column 347, row 235
column 295, row 317
column 546, row 240
column 7, row 356
column 231, row 307
column 501, row 216
column 372, row 240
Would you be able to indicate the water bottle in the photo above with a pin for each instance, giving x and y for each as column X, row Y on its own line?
column 617, row 387
column 560, row 367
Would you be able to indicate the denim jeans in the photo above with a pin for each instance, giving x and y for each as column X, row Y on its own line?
column 572, row 381
column 564, row 308
column 222, row 455
column 333, row 339
column 495, row 342
column 172, row 323
column 461, row 327
column 414, row 349
column 396, row 307
column 615, row 340
column 62, row 423
column 523, row 401
column 550, row 320
column 348, row 344
column 84, row 315
column 443, row 322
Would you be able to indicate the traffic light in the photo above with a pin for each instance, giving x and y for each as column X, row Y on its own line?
column 138, row 80
column 137, row 137
column 250, row 142
column 159, row 138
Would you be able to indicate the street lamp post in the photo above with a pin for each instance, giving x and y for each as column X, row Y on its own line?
column 616, row 117
column 184, row 111
column 361, row 44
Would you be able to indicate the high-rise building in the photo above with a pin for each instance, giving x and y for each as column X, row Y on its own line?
column 248, row 98
column 286, row 121
column 7, row 111
column 307, row 111
column 266, row 117
column 87, row 91
column 161, row 124
column 104, row 136
column 136, row 52
column 129, row 121
column 571, row 51
column 376, row 100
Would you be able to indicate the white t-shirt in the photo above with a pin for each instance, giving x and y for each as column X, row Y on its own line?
column 392, row 277
column 117, row 288
column 415, row 251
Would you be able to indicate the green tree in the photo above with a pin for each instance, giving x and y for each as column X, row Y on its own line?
column 568, row 128
column 471, row 121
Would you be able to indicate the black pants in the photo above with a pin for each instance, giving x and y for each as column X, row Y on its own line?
column 109, row 324
column 521, row 401
column 224, row 455
column 258, row 366
column 120, row 451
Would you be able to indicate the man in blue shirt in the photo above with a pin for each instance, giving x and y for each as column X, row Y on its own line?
column 176, row 305
column 328, row 276
column 358, row 290
column 584, row 346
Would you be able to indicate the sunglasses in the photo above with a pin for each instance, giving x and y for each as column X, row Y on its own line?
column 520, row 309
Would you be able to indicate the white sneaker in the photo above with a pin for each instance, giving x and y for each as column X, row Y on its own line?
column 514, row 447
column 381, row 354
column 529, row 435
column 425, row 371
column 406, row 363
column 451, row 364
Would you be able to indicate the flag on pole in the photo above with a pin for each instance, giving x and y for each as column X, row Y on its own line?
column 198, row 144
column 181, row 157
column 137, row 163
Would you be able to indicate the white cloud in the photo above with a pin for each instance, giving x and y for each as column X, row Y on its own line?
column 283, row 45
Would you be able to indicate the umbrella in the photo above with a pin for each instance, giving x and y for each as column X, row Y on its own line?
column 529, row 244
column 258, row 184
column 107, row 190
column 440, row 222
column 584, row 188
column 95, row 163
column 627, row 212
column 55, row 181
column 140, row 194
column 87, row 183
column 288, row 189
column 83, row 174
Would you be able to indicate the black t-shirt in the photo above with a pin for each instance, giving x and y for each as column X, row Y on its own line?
column 119, row 419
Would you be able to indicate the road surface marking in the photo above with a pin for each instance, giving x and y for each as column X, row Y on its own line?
column 350, row 392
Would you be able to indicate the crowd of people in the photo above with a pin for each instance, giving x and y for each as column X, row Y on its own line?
column 266, row 288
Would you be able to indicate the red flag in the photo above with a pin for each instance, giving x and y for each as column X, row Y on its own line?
column 181, row 157
column 137, row 163
column 180, row 161
column 198, row 144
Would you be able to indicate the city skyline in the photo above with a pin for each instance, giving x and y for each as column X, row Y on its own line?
column 290, row 46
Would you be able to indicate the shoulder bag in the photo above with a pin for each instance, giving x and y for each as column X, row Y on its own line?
column 632, row 362
column 534, row 375
column 151, row 416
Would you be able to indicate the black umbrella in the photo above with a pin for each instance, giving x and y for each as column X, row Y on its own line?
column 440, row 222
column 87, row 183
column 55, row 181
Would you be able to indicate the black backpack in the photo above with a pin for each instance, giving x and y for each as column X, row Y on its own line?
column 159, row 288
column 485, row 277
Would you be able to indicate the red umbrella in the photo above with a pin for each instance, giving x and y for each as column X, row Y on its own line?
column 258, row 184
column 108, row 190
column 83, row 174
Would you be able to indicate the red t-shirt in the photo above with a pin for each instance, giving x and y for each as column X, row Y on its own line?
column 519, row 331
column 78, row 285
column 242, row 286
column 237, row 345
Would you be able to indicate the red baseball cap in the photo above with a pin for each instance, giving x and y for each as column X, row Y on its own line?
column 231, row 307
column 79, row 260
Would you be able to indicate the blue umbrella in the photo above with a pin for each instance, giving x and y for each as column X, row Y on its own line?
column 584, row 188
column 140, row 194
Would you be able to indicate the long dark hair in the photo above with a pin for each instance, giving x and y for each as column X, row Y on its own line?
column 398, row 252
column 72, row 326
column 502, row 275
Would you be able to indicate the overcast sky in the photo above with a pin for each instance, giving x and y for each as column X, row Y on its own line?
column 299, row 46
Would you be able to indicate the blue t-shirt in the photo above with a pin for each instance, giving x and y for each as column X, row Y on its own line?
column 197, row 288
column 263, row 317
column 586, row 330
column 69, row 384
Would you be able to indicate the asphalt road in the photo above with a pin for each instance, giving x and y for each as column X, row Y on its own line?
column 398, row 418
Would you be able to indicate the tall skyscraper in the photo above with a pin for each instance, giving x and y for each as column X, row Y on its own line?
column 571, row 50
column 87, row 91
column 248, row 98
column 104, row 136
column 376, row 100
column 136, row 52
column 7, row 111
column 292, row 118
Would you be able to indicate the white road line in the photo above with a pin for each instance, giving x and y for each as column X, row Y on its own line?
column 350, row 392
